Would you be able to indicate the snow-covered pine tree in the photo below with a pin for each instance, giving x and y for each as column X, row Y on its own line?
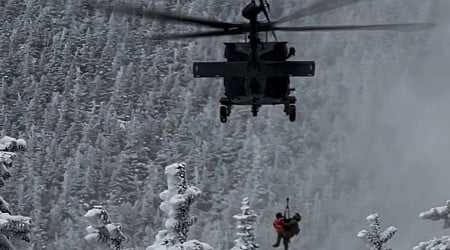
column 374, row 238
column 177, row 200
column 435, row 214
column 12, row 227
column 102, row 232
column 245, row 219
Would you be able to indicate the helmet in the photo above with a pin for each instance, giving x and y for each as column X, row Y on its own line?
column 279, row 215
column 297, row 217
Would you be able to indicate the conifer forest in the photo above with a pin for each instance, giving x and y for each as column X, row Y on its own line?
column 104, row 109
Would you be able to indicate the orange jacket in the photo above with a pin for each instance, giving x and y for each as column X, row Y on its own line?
column 278, row 223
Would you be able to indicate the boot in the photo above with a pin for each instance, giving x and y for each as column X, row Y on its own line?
column 277, row 244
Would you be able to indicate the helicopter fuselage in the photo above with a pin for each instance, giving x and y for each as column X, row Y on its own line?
column 260, row 90
column 264, row 81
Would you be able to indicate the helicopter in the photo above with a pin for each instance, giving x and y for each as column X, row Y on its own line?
column 257, row 72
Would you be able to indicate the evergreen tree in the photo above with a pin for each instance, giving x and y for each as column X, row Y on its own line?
column 375, row 238
column 245, row 219
column 103, row 232
column 177, row 200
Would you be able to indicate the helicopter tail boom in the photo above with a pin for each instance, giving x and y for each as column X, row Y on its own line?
column 264, row 69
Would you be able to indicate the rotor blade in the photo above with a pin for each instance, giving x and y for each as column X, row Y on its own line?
column 266, row 8
column 128, row 9
column 316, row 8
column 396, row 26
column 198, row 34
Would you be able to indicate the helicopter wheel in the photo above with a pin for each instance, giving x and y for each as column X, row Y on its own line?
column 223, row 114
column 292, row 113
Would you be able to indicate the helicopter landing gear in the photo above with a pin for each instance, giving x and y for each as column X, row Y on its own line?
column 290, row 110
column 225, row 111
column 292, row 113
column 223, row 114
column 255, row 110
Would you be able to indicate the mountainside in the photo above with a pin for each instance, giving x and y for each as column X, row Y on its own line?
column 104, row 110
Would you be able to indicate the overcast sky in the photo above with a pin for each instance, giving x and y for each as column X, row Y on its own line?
column 409, row 152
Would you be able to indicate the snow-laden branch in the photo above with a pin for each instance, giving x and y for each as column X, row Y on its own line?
column 11, row 226
column 15, row 226
column 10, row 144
column 375, row 238
column 442, row 243
column 176, row 203
column 6, row 160
column 435, row 214
column 245, row 220
column 7, row 145
column 102, row 232
column 438, row 213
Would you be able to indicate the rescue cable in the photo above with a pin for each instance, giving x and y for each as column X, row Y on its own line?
column 286, row 211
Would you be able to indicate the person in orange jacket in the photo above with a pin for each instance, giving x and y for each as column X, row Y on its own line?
column 278, row 225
